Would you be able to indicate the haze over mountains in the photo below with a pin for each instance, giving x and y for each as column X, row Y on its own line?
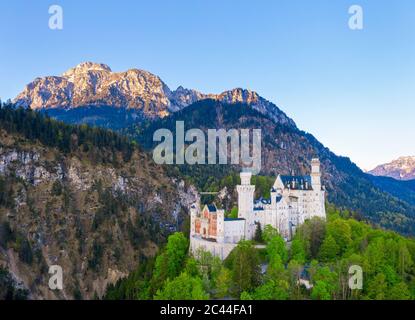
column 137, row 102
column 402, row 168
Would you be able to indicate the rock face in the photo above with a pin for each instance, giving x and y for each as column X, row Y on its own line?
column 97, row 221
column 93, row 84
column 401, row 169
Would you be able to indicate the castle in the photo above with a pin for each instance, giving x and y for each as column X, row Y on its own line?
column 293, row 200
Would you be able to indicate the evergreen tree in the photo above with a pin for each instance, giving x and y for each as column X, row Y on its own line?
column 246, row 296
column 245, row 267
column 295, row 269
column 340, row 230
column 171, row 262
column 184, row 287
column 276, row 246
column 25, row 251
column 297, row 251
column 377, row 288
column 399, row 291
column 258, row 233
column 320, row 291
column 223, row 283
column 272, row 290
column 269, row 233
column 312, row 233
column 329, row 249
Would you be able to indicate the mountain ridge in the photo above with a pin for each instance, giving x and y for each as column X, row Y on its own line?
column 287, row 149
column 94, row 84
column 402, row 168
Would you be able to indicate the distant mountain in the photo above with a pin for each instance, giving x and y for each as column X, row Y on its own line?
column 94, row 85
column 402, row 168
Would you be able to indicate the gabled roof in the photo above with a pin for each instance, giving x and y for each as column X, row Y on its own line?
column 297, row 182
column 233, row 219
column 262, row 200
column 211, row 207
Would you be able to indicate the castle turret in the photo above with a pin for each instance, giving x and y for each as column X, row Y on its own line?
column 319, row 201
column 275, row 197
column 193, row 214
column 315, row 174
column 220, row 226
column 246, row 203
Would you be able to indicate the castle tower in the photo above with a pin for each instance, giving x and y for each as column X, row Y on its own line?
column 319, row 200
column 193, row 215
column 246, row 203
column 315, row 174
column 220, row 226
column 274, row 208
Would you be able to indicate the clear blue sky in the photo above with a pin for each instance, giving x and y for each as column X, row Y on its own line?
column 354, row 90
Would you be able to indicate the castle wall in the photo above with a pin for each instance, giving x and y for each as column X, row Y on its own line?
column 246, row 202
column 212, row 225
column 217, row 249
column 234, row 231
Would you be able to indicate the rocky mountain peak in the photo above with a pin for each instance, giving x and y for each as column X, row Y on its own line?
column 91, row 84
column 402, row 168
column 239, row 95
column 86, row 67
column 94, row 84
column 183, row 97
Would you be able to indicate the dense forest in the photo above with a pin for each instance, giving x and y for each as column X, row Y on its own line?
column 103, row 145
column 76, row 197
column 314, row 266
column 9, row 290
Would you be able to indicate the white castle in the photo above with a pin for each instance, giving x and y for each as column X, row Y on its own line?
column 294, row 199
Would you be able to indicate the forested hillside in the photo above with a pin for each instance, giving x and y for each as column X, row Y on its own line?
column 314, row 266
column 286, row 149
column 84, row 198
column 101, row 116
column 402, row 189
